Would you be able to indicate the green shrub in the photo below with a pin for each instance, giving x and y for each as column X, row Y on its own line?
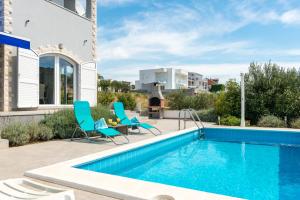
column 102, row 111
column 180, row 100
column 207, row 115
column 39, row 132
column 106, row 98
column 177, row 100
column 202, row 101
column 296, row 123
column 16, row 133
column 62, row 123
column 128, row 100
column 271, row 121
column 230, row 121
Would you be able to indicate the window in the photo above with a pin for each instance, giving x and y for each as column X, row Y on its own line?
column 81, row 7
column 57, row 80
column 47, row 65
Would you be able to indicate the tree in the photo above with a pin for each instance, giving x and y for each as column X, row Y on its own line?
column 104, row 85
column 228, row 102
column 217, row 88
column 272, row 90
column 116, row 86
column 125, row 86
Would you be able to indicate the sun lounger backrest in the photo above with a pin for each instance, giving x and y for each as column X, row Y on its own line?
column 120, row 112
column 83, row 115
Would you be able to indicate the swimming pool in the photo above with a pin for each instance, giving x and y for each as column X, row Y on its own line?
column 266, row 167
column 229, row 163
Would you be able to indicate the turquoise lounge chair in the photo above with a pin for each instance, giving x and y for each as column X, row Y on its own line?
column 132, row 123
column 86, row 123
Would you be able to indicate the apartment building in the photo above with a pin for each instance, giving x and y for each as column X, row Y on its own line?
column 197, row 81
column 169, row 78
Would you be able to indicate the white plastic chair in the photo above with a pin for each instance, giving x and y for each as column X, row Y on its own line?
column 22, row 188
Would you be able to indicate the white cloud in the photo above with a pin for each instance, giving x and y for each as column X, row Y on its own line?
column 174, row 31
column 291, row 17
column 178, row 30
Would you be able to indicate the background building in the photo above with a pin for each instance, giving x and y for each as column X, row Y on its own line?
column 212, row 81
column 169, row 78
column 61, row 65
column 197, row 81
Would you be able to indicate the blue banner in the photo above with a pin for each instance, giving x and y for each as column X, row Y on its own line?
column 14, row 41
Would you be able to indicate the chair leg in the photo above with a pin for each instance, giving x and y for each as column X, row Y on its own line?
column 126, row 139
column 159, row 132
column 72, row 138
column 116, row 142
column 86, row 136
column 84, row 132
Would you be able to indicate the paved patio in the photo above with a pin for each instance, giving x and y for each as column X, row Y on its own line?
column 15, row 161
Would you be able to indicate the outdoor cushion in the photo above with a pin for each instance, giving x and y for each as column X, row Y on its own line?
column 100, row 124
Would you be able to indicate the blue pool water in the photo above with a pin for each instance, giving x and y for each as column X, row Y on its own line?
column 251, row 171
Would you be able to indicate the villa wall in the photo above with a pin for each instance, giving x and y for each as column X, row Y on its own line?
column 49, row 25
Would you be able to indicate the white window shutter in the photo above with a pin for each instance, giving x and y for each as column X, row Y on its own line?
column 88, row 83
column 28, row 79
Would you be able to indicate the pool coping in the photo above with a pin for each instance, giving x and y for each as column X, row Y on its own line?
column 255, row 128
column 64, row 173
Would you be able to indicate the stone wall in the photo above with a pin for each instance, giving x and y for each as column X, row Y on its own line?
column 94, row 27
column 1, row 75
column 6, row 61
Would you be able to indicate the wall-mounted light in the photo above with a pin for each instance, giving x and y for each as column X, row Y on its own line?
column 60, row 46
column 84, row 42
column 26, row 22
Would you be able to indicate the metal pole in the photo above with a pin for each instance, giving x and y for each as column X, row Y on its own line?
column 242, row 100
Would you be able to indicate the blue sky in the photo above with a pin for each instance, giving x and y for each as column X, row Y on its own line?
column 217, row 38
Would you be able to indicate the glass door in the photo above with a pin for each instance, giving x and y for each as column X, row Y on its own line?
column 66, row 70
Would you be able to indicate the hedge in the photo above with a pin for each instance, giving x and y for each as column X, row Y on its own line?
column 271, row 121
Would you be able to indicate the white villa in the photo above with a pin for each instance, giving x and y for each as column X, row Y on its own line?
column 197, row 81
column 60, row 66
column 169, row 78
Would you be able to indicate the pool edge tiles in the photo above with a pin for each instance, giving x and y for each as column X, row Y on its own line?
column 134, row 156
column 115, row 186
column 265, row 136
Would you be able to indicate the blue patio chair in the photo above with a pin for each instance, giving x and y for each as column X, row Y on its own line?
column 86, row 123
column 134, row 122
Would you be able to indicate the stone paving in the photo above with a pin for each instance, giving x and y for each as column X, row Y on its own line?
column 15, row 161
